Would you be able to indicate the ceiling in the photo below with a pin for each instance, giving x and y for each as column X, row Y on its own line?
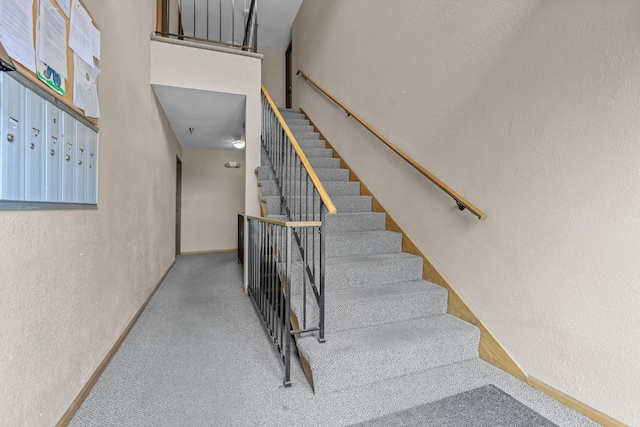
column 217, row 118
column 275, row 18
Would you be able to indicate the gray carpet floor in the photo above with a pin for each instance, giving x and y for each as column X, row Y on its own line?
column 199, row 356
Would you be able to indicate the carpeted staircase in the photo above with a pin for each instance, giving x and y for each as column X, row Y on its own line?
column 382, row 320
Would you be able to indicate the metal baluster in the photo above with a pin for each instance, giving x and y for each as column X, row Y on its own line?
column 305, row 262
column 220, row 4
column 207, row 19
column 321, row 290
column 314, row 242
column 274, row 275
column 258, row 243
column 262, row 268
column 287, row 318
column 285, row 284
column 265, row 251
column 299, row 171
column 233, row 22
column 194, row 18
column 250, row 260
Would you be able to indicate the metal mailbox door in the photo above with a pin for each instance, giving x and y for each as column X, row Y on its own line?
column 34, row 157
column 54, row 153
column 12, row 136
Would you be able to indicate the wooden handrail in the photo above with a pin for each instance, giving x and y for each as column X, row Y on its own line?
column 286, row 223
column 461, row 201
column 322, row 192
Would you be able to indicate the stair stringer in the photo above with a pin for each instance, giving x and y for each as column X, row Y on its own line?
column 490, row 349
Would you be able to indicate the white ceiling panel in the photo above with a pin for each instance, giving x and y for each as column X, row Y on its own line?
column 203, row 119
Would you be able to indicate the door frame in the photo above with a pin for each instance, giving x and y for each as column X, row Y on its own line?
column 178, row 203
column 288, row 70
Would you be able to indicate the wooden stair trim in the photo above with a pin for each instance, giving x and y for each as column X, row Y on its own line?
column 303, row 362
column 490, row 348
column 572, row 403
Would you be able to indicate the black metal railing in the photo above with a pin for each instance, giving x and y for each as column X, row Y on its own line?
column 212, row 21
column 303, row 197
column 286, row 255
column 274, row 279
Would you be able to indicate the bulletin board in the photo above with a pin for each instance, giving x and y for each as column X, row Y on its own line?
column 48, row 38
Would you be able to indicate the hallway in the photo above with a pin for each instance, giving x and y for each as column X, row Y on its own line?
column 198, row 356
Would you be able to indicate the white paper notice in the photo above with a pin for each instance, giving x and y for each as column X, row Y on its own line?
column 95, row 37
column 65, row 5
column 80, row 35
column 16, row 31
column 85, row 90
column 52, row 38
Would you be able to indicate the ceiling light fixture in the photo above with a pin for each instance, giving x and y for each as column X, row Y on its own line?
column 238, row 143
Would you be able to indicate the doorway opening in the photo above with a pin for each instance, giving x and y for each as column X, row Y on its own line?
column 289, row 76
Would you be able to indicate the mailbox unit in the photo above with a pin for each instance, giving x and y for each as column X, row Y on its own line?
column 47, row 154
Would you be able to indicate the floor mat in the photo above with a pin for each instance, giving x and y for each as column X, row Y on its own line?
column 485, row 406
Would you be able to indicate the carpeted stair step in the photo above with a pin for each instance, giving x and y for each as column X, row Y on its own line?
column 316, row 162
column 307, row 135
column 362, row 271
column 324, row 162
column 355, row 221
column 293, row 116
column 266, row 173
column 366, row 355
column 288, row 113
column 352, row 204
column 318, row 152
column 308, row 144
column 334, row 188
column 374, row 305
column 297, row 128
column 297, row 122
column 360, row 243
column 338, row 223
column 344, row 204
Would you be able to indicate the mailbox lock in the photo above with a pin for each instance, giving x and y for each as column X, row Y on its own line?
column 33, row 145
column 80, row 162
column 67, row 157
column 10, row 137
column 52, row 152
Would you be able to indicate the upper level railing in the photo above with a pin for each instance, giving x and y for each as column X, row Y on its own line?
column 460, row 201
column 228, row 23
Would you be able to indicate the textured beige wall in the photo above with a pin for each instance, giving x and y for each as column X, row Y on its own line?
column 212, row 196
column 529, row 109
column 273, row 74
column 70, row 281
column 219, row 72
